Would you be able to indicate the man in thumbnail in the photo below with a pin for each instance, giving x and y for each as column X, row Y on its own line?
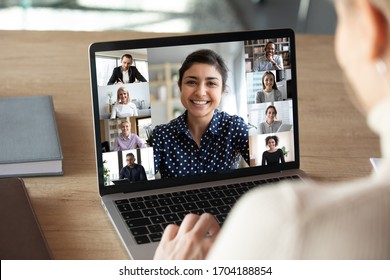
column 125, row 73
column 132, row 171
column 269, row 61
column 127, row 140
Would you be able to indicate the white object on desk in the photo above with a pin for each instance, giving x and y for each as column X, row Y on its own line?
column 375, row 162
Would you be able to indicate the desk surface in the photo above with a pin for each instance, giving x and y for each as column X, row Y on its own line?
column 335, row 140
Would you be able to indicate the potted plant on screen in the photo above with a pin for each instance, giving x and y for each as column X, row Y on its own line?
column 285, row 152
column 106, row 173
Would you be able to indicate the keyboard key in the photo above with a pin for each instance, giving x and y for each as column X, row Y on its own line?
column 149, row 212
column 205, row 196
column 165, row 201
column 143, row 239
column 171, row 218
column 139, row 231
column 224, row 209
column 242, row 190
column 155, row 237
column 203, row 204
column 229, row 200
column 152, row 203
column 221, row 218
column 211, row 210
column 130, row 215
column 194, row 191
column 216, row 202
column 191, row 198
column 150, row 197
column 124, row 207
column 138, row 205
column 138, row 222
column 155, row 228
column 178, row 200
column 219, row 188
column 230, row 192
column 163, row 210
column 181, row 193
column 121, row 201
column 190, row 206
column 176, row 208
column 136, row 199
column 157, row 219
column 217, row 194
column 198, row 212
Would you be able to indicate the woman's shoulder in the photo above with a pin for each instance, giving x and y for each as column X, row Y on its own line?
column 160, row 127
column 168, row 126
column 116, row 107
column 233, row 124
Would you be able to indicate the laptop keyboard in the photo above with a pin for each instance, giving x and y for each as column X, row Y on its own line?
column 148, row 216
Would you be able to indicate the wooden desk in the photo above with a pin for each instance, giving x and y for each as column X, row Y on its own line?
column 336, row 142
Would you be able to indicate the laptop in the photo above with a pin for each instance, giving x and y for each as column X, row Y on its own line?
column 140, row 210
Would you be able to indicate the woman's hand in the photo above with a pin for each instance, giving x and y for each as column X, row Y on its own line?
column 191, row 241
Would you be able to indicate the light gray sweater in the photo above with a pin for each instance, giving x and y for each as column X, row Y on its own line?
column 315, row 221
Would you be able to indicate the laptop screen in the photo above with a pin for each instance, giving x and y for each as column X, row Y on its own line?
column 149, row 115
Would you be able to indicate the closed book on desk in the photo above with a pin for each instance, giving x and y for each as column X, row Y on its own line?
column 29, row 140
column 21, row 237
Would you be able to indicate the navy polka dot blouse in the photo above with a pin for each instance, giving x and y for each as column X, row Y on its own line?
column 221, row 148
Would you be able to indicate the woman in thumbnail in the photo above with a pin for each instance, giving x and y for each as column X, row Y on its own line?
column 271, row 125
column 203, row 139
column 123, row 107
column 273, row 155
column 270, row 92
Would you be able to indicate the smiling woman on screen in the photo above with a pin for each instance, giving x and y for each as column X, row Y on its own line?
column 203, row 139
